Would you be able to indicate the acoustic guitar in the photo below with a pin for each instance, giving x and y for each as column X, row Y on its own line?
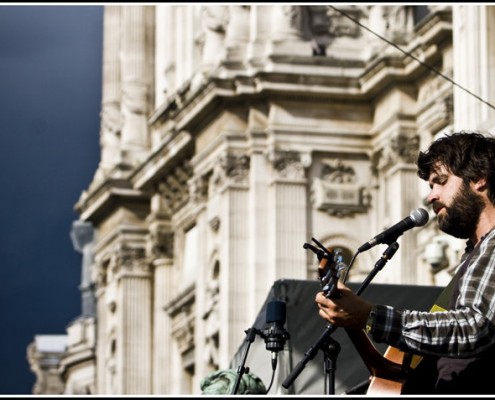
column 388, row 371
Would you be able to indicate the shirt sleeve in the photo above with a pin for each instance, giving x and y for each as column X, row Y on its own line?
column 465, row 331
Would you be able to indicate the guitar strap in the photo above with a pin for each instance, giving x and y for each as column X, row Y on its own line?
column 443, row 303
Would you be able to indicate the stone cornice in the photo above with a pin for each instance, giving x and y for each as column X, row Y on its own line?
column 104, row 199
column 159, row 162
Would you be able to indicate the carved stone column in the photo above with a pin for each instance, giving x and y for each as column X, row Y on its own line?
column 229, row 182
column 237, row 33
column 160, row 253
column 260, row 31
column 259, row 203
column 395, row 165
column 473, row 64
column 137, row 55
column 214, row 19
column 288, row 219
column 111, row 118
column 134, row 316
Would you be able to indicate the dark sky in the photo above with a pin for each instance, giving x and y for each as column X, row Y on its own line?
column 50, row 94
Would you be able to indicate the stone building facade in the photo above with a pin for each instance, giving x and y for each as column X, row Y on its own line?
column 230, row 135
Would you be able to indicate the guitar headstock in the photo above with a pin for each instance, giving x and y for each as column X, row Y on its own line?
column 330, row 267
column 329, row 272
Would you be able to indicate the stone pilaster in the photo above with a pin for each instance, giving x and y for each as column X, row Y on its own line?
column 137, row 61
column 288, row 199
column 134, row 331
column 474, row 66
column 398, row 179
column 230, row 183
column 111, row 118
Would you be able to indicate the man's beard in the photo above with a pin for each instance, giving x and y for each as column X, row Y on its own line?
column 461, row 218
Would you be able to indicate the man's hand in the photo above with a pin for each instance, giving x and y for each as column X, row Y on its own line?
column 347, row 311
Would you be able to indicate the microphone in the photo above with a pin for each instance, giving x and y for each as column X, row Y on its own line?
column 418, row 217
column 275, row 335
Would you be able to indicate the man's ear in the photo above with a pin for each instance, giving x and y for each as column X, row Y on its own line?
column 480, row 185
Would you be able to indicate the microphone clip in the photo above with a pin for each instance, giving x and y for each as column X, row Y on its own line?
column 275, row 337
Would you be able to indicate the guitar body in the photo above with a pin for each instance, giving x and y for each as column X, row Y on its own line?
column 388, row 386
column 388, row 371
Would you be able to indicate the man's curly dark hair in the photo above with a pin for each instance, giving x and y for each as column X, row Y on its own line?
column 469, row 155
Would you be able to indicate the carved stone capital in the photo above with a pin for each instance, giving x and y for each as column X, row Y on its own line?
column 403, row 148
column 288, row 164
column 230, row 169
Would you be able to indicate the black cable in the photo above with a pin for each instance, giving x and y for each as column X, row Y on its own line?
column 412, row 56
column 271, row 381
column 348, row 268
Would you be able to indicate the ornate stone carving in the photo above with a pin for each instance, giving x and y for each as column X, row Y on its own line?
column 174, row 187
column 288, row 164
column 406, row 147
column 161, row 244
column 214, row 20
column 132, row 259
column 341, row 25
column 198, row 189
column 230, row 169
column 403, row 148
column 337, row 191
column 214, row 224
column 338, row 173
column 236, row 167
column 211, row 318
column 182, row 313
column 400, row 22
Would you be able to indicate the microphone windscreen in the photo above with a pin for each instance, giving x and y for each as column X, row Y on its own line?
column 275, row 312
column 420, row 216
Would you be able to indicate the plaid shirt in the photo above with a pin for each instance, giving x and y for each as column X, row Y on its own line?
column 466, row 330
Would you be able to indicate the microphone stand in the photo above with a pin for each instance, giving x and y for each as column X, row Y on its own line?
column 327, row 344
column 275, row 338
column 250, row 336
